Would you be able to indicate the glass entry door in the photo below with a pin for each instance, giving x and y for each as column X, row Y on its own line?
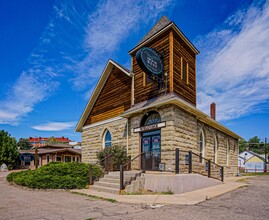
column 151, row 146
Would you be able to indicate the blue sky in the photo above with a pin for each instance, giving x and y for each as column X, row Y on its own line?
column 53, row 52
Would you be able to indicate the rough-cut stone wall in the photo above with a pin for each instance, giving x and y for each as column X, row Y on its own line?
column 182, row 131
column 92, row 138
column 223, row 140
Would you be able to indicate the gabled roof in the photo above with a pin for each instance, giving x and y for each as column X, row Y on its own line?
column 160, row 27
column 58, row 145
column 254, row 154
column 48, row 151
column 102, row 80
column 172, row 98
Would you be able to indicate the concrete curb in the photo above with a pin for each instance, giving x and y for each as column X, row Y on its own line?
column 188, row 198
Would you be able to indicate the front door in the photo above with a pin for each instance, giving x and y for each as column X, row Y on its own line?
column 151, row 147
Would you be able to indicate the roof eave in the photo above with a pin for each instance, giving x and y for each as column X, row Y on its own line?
column 191, row 109
column 97, row 91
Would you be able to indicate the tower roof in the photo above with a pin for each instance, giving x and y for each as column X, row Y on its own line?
column 162, row 25
column 157, row 27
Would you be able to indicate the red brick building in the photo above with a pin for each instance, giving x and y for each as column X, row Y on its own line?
column 42, row 141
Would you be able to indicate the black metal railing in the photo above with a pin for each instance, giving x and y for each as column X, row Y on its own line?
column 106, row 163
column 188, row 161
column 127, row 165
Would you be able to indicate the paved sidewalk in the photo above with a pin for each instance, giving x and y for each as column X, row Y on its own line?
column 188, row 198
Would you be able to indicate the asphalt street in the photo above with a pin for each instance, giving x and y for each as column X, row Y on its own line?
column 251, row 202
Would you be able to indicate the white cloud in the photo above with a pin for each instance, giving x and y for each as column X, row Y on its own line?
column 233, row 68
column 112, row 22
column 74, row 47
column 55, row 126
column 29, row 89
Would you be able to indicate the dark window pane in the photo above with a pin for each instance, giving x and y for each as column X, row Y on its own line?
column 184, row 70
column 108, row 141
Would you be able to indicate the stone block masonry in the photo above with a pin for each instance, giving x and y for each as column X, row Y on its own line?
column 182, row 131
column 93, row 136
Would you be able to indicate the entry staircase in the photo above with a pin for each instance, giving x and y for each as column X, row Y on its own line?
column 185, row 162
column 110, row 183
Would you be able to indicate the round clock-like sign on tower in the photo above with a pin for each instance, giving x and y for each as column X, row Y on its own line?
column 149, row 61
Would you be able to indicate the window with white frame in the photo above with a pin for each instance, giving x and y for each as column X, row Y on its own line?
column 59, row 159
column 107, row 140
column 67, row 158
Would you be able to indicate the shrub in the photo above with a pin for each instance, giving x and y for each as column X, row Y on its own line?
column 118, row 153
column 56, row 175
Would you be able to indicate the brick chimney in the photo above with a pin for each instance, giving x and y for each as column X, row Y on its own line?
column 213, row 110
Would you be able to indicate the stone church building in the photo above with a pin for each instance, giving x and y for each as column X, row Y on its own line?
column 151, row 108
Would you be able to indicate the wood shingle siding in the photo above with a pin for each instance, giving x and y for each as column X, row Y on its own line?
column 114, row 99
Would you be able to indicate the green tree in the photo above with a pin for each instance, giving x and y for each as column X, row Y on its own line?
column 118, row 153
column 243, row 144
column 8, row 150
column 253, row 144
column 24, row 144
column 256, row 145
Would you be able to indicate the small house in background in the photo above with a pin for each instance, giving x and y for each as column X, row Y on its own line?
column 249, row 161
column 52, row 153
column 42, row 141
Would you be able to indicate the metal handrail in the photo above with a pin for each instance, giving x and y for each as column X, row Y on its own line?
column 122, row 183
column 107, row 156
column 91, row 181
column 133, row 159
column 209, row 168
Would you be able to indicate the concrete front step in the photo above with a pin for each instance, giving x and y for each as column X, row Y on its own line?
column 126, row 173
column 117, row 177
column 110, row 180
column 107, row 184
column 104, row 189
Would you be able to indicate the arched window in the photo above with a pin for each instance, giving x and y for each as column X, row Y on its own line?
column 201, row 145
column 215, row 149
column 150, row 118
column 107, row 141
column 228, row 152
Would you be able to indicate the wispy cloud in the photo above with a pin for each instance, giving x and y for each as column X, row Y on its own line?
column 55, row 126
column 233, row 68
column 74, row 48
column 112, row 22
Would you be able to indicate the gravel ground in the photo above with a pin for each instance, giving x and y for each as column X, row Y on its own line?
column 16, row 203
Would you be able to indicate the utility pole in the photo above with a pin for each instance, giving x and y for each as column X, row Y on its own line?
column 265, row 170
column 36, row 158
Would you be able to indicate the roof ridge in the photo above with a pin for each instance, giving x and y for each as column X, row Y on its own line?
column 163, row 21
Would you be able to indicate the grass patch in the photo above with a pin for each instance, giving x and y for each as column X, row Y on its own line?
column 254, row 174
column 242, row 180
column 56, row 175
column 149, row 192
column 244, row 186
column 95, row 197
